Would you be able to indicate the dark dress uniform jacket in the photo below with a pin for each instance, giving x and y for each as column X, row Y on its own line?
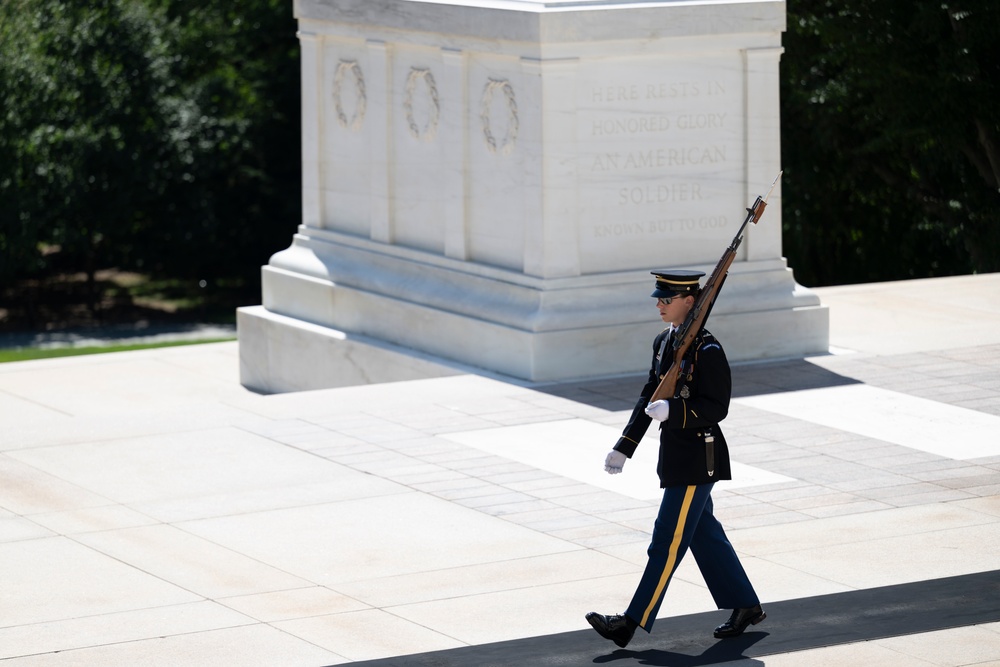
column 702, row 401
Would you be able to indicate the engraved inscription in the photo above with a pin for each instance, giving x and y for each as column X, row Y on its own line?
column 615, row 94
column 660, row 193
column 700, row 121
column 656, row 91
column 655, row 152
column 656, row 158
column 609, row 127
column 667, row 225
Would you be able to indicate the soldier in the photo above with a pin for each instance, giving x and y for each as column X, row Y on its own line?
column 693, row 456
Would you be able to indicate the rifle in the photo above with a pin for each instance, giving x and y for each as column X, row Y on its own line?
column 696, row 318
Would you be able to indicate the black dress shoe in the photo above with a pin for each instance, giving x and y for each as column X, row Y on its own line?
column 739, row 621
column 617, row 628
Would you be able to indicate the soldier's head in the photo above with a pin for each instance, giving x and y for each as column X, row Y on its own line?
column 675, row 293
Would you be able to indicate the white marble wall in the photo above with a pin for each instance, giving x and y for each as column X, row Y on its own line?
column 491, row 181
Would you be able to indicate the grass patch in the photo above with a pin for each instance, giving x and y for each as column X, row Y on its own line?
column 30, row 354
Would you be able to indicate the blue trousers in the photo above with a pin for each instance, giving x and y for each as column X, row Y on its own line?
column 685, row 520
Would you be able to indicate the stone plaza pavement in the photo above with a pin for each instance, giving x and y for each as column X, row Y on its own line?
column 154, row 512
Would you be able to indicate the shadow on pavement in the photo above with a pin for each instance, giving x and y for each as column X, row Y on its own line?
column 791, row 625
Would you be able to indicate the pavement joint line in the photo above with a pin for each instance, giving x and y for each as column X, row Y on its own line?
column 486, row 471
column 916, row 374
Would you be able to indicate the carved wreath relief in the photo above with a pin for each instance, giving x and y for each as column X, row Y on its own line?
column 420, row 75
column 357, row 119
column 513, row 124
column 421, row 92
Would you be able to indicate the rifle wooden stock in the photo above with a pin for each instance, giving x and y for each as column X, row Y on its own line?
column 697, row 316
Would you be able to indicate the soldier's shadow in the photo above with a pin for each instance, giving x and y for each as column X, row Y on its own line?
column 726, row 650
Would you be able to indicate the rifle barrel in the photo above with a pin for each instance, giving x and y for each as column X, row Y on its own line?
column 706, row 300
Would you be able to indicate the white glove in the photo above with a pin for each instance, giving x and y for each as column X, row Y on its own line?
column 659, row 410
column 614, row 463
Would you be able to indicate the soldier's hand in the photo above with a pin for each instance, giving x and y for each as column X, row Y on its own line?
column 659, row 410
column 614, row 462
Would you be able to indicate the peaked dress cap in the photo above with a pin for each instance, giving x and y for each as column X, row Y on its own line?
column 676, row 282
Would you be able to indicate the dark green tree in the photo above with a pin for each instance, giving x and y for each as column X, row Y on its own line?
column 19, row 238
column 84, row 131
column 236, row 196
column 157, row 135
column 889, row 133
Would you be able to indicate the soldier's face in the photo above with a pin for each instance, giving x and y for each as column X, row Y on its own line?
column 675, row 311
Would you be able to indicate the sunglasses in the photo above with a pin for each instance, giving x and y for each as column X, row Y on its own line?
column 666, row 300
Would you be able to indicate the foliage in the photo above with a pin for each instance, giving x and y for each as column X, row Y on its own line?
column 80, row 99
column 889, row 133
column 239, row 188
column 147, row 134
column 156, row 135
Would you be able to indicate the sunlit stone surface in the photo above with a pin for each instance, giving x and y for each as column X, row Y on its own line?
column 490, row 183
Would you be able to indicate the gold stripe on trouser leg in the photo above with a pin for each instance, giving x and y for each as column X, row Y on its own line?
column 675, row 545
